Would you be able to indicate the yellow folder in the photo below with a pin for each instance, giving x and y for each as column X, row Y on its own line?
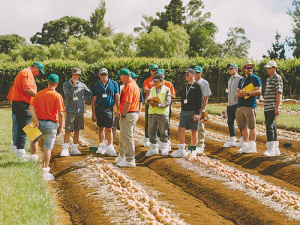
column 32, row 132
column 249, row 88
column 157, row 99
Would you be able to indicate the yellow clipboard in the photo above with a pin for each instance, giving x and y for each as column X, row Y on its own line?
column 157, row 99
column 32, row 132
column 249, row 88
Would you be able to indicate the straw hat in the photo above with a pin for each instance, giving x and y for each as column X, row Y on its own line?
column 248, row 62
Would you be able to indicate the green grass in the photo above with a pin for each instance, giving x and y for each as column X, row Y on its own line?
column 284, row 121
column 293, row 107
column 24, row 199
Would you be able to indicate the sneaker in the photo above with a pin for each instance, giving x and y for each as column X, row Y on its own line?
column 47, row 175
column 33, row 158
column 230, row 143
column 251, row 148
column 110, row 150
column 20, row 153
column 119, row 159
column 244, row 147
column 74, row 150
column 180, row 153
column 146, row 142
column 127, row 164
column 65, row 150
column 101, row 149
column 240, row 143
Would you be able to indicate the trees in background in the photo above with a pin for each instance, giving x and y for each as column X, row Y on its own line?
column 294, row 42
column 97, row 20
column 277, row 51
column 10, row 42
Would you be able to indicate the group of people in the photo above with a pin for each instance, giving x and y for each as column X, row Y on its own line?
column 46, row 109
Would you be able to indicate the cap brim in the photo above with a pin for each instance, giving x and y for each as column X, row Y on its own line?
column 42, row 71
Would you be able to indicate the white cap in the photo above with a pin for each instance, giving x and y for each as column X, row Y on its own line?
column 271, row 64
column 103, row 70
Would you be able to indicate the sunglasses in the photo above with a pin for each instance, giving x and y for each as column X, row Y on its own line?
column 249, row 68
column 231, row 68
column 103, row 74
column 186, row 75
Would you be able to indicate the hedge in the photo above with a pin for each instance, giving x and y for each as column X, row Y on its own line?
column 215, row 72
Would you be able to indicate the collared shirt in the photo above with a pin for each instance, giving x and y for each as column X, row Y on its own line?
column 205, row 87
column 105, row 92
column 251, row 101
column 75, row 96
column 274, row 85
column 131, row 94
column 233, row 84
column 148, row 83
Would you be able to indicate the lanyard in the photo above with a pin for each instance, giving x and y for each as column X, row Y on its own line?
column 187, row 91
column 103, row 86
column 245, row 78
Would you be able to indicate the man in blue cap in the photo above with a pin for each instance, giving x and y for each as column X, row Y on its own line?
column 233, row 84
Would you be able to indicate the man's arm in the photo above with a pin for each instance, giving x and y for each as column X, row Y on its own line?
column 60, row 122
column 117, row 100
column 125, row 109
column 278, row 101
column 253, row 93
column 94, row 118
column 33, row 115
column 30, row 92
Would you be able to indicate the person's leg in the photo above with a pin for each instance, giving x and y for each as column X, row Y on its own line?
column 75, row 137
column 194, row 137
column 67, row 136
column 245, row 134
column 163, row 127
column 181, row 135
column 50, row 131
column 271, row 131
column 34, row 147
column 152, row 128
column 201, row 135
column 14, row 129
column 101, row 134
column 108, row 134
column 127, row 136
column 146, row 120
column 230, row 120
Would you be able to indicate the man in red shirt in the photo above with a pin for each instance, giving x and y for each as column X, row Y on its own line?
column 46, row 110
column 147, row 85
column 22, row 91
column 128, row 115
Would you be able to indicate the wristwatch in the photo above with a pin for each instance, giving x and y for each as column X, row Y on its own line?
column 123, row 116
column 248, row 94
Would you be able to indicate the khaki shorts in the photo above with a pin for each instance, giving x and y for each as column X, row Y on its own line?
column 246, row 117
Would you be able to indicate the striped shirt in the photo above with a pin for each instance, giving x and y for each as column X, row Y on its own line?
column 273, row 86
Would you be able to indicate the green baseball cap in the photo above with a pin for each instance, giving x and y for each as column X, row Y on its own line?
column 153, row 66
column 134, row 75
column 53, row 78
column 124, row 71
column 161, row 71
column 198, row 69
column 40, row 66
column 232, row 64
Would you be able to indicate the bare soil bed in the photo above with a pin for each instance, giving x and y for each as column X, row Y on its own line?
column 192, row 196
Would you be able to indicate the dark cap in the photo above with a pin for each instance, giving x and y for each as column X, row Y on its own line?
column 76, row 71
column 190, row 70
column 158, row 77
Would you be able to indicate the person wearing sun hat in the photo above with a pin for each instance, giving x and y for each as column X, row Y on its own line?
column 105, row 94
column 147, row 85
column 233, row 83
column 272, row 106
column 23, row 90
column 47, row 109
column 128, row 115
column 248, row 89
column 207, row 93
column 76, row 95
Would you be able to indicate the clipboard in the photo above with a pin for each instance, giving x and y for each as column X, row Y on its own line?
column 157, row 99
column 249, row 88
column 32, row 132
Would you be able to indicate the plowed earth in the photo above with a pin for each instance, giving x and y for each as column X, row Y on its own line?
column 193, row 198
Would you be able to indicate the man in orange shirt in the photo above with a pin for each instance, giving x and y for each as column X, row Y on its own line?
column 46, row 110
column 128, row 115
column 23, row 89
column 147, row 85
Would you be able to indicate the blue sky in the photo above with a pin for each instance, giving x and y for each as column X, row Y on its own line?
column 260, row 18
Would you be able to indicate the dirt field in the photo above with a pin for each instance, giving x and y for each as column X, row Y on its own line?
column 192, row 196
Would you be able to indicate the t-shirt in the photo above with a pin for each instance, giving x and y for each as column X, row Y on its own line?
column 193, row 93
column 148, row 83
column 23, row 80
column 48, row 103
column 105, row 93
column 131, row 94
column 233, row 84
column 205, row 87
column 274, row 85
column 251, row 101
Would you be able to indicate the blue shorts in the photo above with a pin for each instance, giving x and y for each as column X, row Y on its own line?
column 186, row 120
column 49, row 129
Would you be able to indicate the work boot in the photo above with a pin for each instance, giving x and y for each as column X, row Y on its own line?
column 110, row 150
column 270, row 149
column 180, row 152
column 74, row 150
column 230, row 143
column 146, row 142
column 277, row 150
column 65, row 150
column 101, row 149
column 153, row 150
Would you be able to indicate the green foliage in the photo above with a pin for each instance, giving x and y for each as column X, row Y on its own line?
column 294, row 42
column 237, row 44
column 9, row 42
column 159, row 43
column 97, row 20
column 60, row 30
column 277, row 51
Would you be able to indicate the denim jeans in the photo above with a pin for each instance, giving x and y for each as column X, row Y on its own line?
column 146, row 121
column 21, row 110
column 231, row 111
column 271, row 131
column 14, row 129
